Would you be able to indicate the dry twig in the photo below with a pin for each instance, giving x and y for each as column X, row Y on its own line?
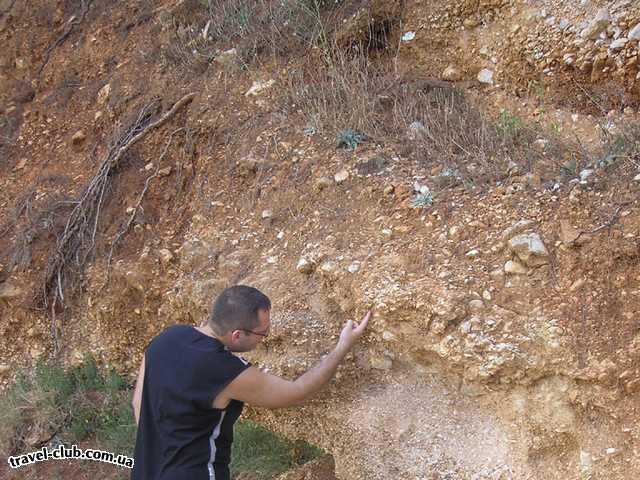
column 77, row 240
column 71, row 23
column 127, row 226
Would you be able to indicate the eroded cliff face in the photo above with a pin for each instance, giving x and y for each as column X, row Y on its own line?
column 505, row 341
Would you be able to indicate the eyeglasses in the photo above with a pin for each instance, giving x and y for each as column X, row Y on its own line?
column 255, row 333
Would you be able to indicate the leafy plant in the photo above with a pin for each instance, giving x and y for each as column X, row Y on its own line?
column 350, row 139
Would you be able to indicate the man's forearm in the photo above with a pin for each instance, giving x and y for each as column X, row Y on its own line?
column 313, row 380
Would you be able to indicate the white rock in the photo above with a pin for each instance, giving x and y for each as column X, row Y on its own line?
column 472, row 253
column 485, row 76
column 634, row 34
column 280, row 235
column 354, row 267
column 258, row 87
column 636, row 178
column 597, row 25
column 267, row 214
column 618, row 44
column 387, row 336
column 408, row 36
column 103, row 94
column 584, row 174
column 530, row 249
column 272, row 260
column 304, row 266
column 486, row 295
column 514, row 268
column 341, row 176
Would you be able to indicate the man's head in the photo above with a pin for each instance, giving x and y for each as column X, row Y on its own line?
column 240, row 317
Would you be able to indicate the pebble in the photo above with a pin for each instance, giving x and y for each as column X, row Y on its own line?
column 388, row 190
column 78, row 137
column 258, row 87
column 530, row 249
column 267, row 214
column 304, row 266
column 341, row 176
column 485, row 76
column 634, row 34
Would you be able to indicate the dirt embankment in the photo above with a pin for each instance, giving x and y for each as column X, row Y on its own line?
column 505, row 342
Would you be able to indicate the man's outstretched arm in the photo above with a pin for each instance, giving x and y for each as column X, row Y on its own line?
column 265, row 390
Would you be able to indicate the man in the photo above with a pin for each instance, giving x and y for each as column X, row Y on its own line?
column 191, row 388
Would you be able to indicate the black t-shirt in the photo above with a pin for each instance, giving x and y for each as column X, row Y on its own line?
column 180, row 435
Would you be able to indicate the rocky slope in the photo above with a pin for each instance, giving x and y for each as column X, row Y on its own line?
column 505, row 339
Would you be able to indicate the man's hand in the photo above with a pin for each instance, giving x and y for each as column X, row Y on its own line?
column 265, row 390
column 352, row 331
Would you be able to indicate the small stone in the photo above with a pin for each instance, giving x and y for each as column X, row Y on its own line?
column 267, row 214
column 388, row 190
column 137, row 311
column 585, row 174
column 148, row 166
column 485, row 76
column 166, row 257
column 472, row 253
column 322, row 183
column 354, row 267
column 227, row 57
column 387, row 336
column 597, row 25
column 78, row 137
column 530, row 249
column 130, row 210
column 103, row 94
column 164, row 172
column 514, row 268
column 451, row 74
column 618, row 44
column 387, row 232
column 636, row 178
column 328, row 266
column 486, row 295
column 341, row 176
column 305, row 266
column 272, row 260
column 634, row 34
column 476, row 306
column 97, row 116
column 280, row 235
column 408, row 36
column 4, row 368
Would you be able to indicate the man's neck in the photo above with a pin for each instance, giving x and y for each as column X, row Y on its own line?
column 209, row 332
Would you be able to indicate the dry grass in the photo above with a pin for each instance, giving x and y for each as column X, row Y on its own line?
column 426, row 119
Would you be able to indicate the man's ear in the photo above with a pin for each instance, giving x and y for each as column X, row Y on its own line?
column 235, row 335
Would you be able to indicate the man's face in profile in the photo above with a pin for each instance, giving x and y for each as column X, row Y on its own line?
column 247, row 340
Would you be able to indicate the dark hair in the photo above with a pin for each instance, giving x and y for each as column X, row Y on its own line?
column 237, row 308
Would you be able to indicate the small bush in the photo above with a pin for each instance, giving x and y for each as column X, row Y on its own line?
column 72, row 403
column 264, row 454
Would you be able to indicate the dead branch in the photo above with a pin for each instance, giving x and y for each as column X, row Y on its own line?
column 71, row 23
column 127, row 226
column 609, row 223
column 77, row 240
column 8, row 9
